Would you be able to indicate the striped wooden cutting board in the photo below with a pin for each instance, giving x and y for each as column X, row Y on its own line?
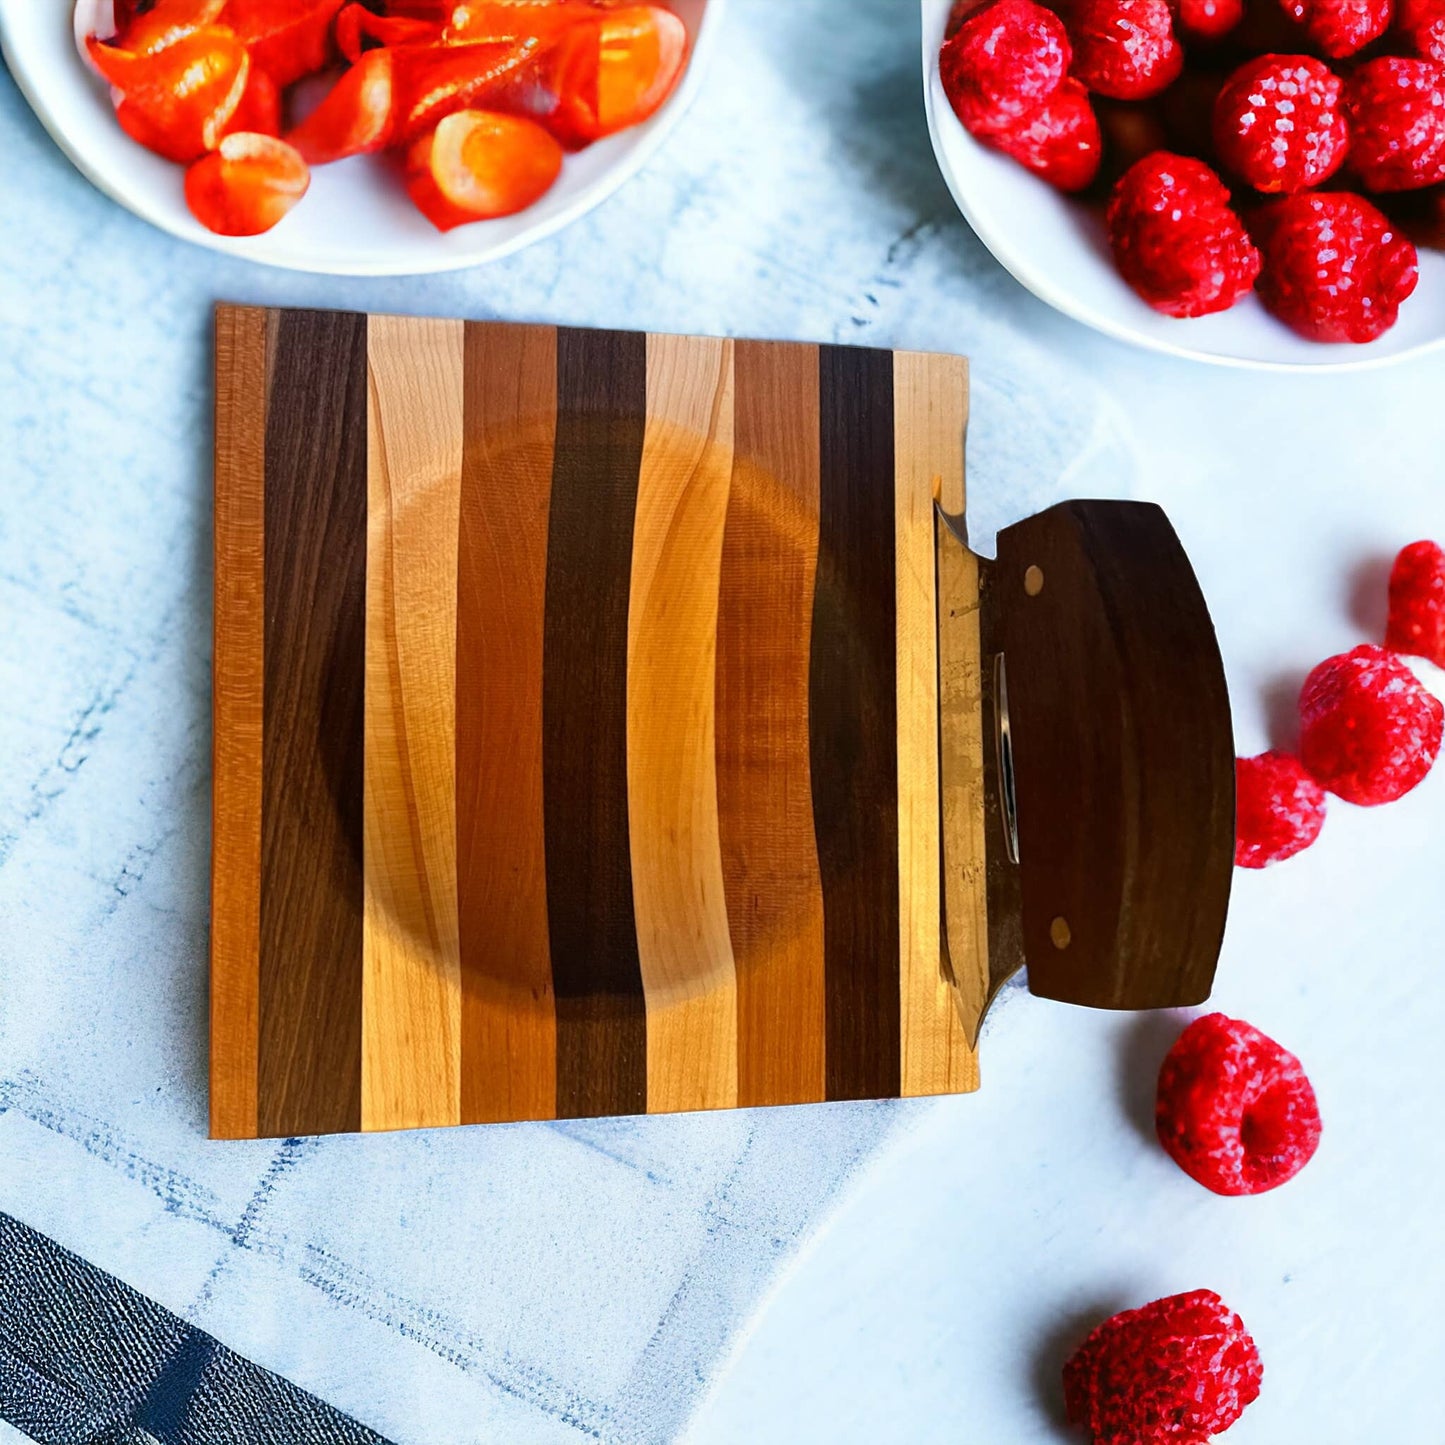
column 576, row 724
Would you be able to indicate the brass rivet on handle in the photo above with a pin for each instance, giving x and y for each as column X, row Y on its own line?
column 1060, row 933
column 1034, row 581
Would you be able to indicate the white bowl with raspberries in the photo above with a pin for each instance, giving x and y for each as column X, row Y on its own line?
column 1274, row 192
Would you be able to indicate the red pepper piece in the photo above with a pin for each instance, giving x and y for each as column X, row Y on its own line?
column 515, row 23
column 356, row 25
column 166, row 22
column 287, row 38
column 260, row 109
column 478, row 165
column 247, row 185
column 357, row 116
column 434, row 82
column 179, row 100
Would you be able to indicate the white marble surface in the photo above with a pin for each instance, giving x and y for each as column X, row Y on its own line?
column 594, row 1281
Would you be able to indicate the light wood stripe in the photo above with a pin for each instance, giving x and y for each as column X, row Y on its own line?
column 930, row 401
column 411, row 998
column 509, row 1030
column 765, row 807
column 677, row 881
column 237, row 703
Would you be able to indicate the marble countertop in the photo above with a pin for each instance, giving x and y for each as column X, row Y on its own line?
column 911, row 1271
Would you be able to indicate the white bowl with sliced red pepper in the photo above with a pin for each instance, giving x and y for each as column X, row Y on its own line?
column 1250, row 182
column 391, row 137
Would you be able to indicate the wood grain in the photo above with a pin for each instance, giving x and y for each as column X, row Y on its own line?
column 411, row 988
column 684, row 947
column 852, row 722
column 312, row 750
column 930, row 407
column 509, row 1031
column 237, row 702
column 765, row 810
column 596, row 973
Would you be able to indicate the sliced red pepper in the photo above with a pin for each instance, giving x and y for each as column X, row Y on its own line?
column 287, row 38
column 166, row 22
column 498, row 20
column 614, row 71
column 246, row 185
column 478, row 165
column 357, row 116
column 260, row 109
column 179, row 100
column 437, row 81
column 356, row 25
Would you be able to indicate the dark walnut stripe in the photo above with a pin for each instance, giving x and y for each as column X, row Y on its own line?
column 509, row 1045
column 765, row 813
column 312, row 747
column 852, row 722
column 596, row 973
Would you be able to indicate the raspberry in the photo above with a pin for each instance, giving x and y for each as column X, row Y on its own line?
column 1279, row 809
column 1059, row 141
column 1175, row 240
column 1397, row 123
column 1340, row 27
column 1209, row 19
column 1422, row 25
column 1369, row 731
column 1178, row 1371
column 1335, row 269
column 1003, row 63
column 1417, row 602
column 1234, row 1110
column 1279, row 124
column 1124, row 48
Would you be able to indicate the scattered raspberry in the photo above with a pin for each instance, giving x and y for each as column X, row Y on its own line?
column 1279, row 123
column 1369, row 731
column 1175, row 240
column 1397, row 123
column 1340, row 27
column 1003, row 63
column 1279, row 809
column 1335, row 269
column 1422, row 25
column 1124, row 48
column 1234, row 1110
column 1172, row 1373
column 1417, row 602
column 1209, row 19
column 1059, row 141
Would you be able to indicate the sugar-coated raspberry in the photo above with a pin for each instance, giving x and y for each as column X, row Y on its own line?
column 1417, row 602
column 1340, row 27
column 1124, row 48
column 1234, row 1110
column 1174, row 1372
column 1004, row 61
column 1059, row 141
column 1279, row 123
column 1279, row 809
column 1421, row 24
column 1175, row 239
column 1396, row 109
column 1335, row 268
column 1369, row 731
column 1209, row 19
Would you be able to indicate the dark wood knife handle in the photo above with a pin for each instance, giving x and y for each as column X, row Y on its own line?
column 1123, row 755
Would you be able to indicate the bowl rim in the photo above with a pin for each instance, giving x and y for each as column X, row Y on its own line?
column 646, row 139
column 1033, row 280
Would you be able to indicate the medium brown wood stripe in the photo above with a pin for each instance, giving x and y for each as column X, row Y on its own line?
column 930, row 403
column 237, row 690
column 411, row 989
column 312, row 750
column 852, row 722
column 509, row 1032
column 596, row 973
column 765, row 808
column 677, row 881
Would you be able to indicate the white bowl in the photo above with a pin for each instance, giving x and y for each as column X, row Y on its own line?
column 355, row 220
column 1057, row 248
